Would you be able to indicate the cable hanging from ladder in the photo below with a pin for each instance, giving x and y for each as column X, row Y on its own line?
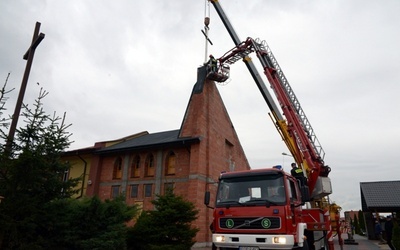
column 215, row 72
column 206, row 28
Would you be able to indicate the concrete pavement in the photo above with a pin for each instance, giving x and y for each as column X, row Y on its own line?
column 363, row 244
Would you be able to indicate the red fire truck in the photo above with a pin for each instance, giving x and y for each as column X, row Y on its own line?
column 269, row 208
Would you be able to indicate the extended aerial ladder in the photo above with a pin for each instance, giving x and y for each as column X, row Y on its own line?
column 296, row 130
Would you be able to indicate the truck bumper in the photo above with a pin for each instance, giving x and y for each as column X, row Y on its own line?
column 261, row 241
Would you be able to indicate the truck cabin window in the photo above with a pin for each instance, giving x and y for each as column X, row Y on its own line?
column 254, row 190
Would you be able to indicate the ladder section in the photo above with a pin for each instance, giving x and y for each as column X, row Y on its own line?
column 263, row 46
column 237, row 53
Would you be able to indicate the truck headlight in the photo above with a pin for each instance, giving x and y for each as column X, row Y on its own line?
column 279, row 240
column 220, row 238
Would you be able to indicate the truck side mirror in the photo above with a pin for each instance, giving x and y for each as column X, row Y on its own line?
column 207, row 199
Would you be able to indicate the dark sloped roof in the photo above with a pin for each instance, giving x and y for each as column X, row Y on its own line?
column 381, row 196
column 150, row 140
column 87, row 150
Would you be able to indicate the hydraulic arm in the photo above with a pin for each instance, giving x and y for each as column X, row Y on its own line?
column 296, row 130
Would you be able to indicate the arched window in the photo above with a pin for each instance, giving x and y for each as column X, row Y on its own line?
column 117, row 172
column 149, row 165
column 170, row 163
column 135, row 167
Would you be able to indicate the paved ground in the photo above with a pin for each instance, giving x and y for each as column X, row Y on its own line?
column 363, row 244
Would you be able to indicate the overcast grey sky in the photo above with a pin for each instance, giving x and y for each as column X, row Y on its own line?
column 122, row 67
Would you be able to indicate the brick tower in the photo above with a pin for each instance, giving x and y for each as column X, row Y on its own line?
column 219, row 148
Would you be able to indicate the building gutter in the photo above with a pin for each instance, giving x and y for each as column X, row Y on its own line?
column 84, row 176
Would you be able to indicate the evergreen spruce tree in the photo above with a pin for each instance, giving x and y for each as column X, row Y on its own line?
column 90, row 223
column 168, row 227
column 356, row 225
column 36, row 208
column 361, row 222
column 4, row 120
column 31, row 175
column 351, row 225
column 396, row 234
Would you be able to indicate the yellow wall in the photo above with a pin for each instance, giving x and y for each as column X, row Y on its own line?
column 78, row 170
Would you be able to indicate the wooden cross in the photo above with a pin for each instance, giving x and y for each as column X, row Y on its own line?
column 37, row 38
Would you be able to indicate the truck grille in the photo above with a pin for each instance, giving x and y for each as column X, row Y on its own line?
column 250, row 223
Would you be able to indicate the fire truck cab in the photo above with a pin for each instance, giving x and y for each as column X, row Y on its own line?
column 258, row 209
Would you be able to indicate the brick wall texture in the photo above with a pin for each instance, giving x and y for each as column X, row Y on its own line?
column 197, row 166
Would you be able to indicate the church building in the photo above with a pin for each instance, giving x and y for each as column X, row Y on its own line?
column 188, row 159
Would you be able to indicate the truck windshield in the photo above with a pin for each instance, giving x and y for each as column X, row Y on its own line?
column 254, row 190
